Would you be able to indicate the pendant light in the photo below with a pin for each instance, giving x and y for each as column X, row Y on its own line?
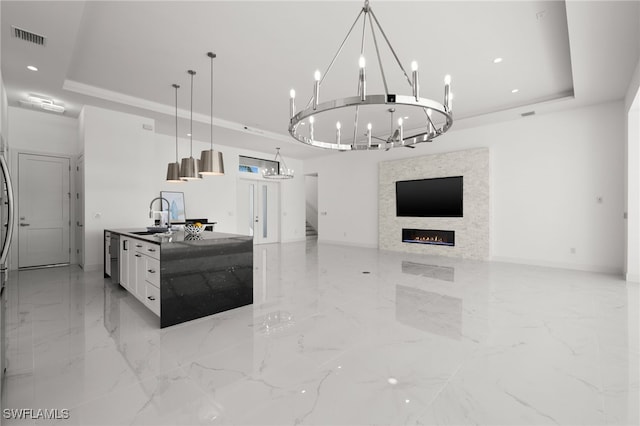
column 189, row 166
column 173, row 170
column 210, row 160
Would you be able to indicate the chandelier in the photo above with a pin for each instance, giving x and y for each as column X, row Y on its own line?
column 283, row 173
column 323, row 124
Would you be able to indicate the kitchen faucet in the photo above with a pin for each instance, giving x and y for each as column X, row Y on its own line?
column 151, row 212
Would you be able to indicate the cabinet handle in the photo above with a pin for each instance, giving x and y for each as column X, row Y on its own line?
column 138, row 255
column 151, row 298
column 152, row 271
column 138, row 245
column 151, row 249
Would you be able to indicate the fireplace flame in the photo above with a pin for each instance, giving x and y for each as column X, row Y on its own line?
column 429, row 239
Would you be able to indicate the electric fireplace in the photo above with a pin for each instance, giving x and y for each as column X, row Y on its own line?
column 429, row 236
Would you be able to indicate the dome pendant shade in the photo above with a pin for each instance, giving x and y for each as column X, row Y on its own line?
column 189, row 169
column 173, row 172
column 212, row 163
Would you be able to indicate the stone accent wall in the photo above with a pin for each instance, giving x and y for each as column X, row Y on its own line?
column 472, row 230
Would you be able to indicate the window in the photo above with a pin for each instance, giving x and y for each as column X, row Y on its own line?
column 256, row 165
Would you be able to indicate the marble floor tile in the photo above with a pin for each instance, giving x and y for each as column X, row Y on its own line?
column 337, row 335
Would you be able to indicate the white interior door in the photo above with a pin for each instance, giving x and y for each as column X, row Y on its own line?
column 43, row 210
column 259, row 210
column 80, row 211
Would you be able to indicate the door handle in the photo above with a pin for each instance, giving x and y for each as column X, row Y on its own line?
column 79, row 224
column 24, row 224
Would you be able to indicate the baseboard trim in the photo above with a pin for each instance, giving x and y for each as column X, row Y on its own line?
column 348, row 243
column 294, row 240
column 560, row 265
column 91, row 268
column 633, row 278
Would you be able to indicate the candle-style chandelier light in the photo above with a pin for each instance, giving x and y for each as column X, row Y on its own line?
column 323, row 124
column 283, row 172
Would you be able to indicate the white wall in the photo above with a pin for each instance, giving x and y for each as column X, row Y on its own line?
column 632, row 106
column 125, row 167
column 118, row 185
column 43, row 132
column 547, row 173
column 4, row 111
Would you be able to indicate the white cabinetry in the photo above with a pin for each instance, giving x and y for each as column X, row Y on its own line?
column 125, row 261
column 140, row 271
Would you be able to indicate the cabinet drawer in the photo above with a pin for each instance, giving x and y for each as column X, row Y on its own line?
column 152, row 271
column 152, row 250
column 152, row 298
column 138, row 245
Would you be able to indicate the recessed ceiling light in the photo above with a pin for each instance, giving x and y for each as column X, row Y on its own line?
column 515, row 91
column 392, row 381
column 497, row 60
column 32, row 68
column 188, row 134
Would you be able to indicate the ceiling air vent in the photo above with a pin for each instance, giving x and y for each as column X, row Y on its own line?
column 28, row 36
column 527, row 114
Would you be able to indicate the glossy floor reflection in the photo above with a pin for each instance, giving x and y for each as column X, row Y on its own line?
column 337, row 335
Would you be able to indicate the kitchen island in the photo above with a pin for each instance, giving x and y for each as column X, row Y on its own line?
column 181, row 277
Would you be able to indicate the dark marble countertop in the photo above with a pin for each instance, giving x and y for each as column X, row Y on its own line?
column 181, row 238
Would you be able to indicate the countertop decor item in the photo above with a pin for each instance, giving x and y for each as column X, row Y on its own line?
column 193, row 229
column 358, row 121
column 283, row 171
column 211, row 162
column 176, row 205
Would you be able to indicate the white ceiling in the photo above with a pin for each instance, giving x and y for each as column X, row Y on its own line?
column 125, row 55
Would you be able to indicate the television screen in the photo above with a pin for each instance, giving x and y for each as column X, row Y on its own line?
column 439, row 197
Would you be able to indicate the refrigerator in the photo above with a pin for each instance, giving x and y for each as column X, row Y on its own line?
column 7, row 218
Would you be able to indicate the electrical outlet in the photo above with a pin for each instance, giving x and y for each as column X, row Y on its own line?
column 599, row 199
column 572, row 250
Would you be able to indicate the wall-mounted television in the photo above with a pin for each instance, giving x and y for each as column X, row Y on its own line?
column 438, row 197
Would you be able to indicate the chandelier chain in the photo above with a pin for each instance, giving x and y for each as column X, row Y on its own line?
column 364, row 29
column 375, row 43
column 322, row 77
column 395, row 55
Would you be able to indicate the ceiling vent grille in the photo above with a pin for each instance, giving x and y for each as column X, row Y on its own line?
column 28, row 36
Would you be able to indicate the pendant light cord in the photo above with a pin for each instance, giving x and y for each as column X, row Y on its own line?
column 211, row 55
column 176, row 87
column 191, row 114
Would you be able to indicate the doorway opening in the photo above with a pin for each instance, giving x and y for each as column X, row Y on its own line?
column 259, row 210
